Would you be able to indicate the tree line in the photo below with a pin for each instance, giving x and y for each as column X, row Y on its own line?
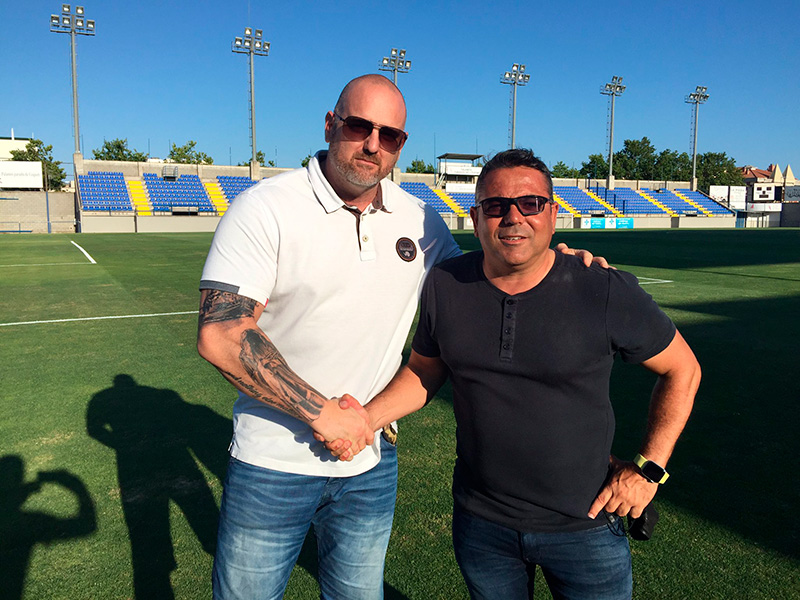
column 639, row 159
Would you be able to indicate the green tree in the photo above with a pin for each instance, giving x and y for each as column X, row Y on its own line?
column 117, row 149
column 418, row 166
column 673, row 166
column 636, row 160
column 595, row 168
column 562, row 170
column 717, row 168
column 259, row 158
column 305, row 161
column 36, row 151
column 186, row 154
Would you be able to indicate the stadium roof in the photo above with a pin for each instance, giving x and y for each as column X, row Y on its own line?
column 750, row 172
column 772, row 174
column 455, row 156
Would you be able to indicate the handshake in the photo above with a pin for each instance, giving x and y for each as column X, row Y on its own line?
column 344, row 427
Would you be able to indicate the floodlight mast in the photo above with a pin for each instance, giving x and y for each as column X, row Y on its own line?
column 516, row 76
column 396, row 63
column 612, row 89
column 252, row 44
column 73, row 24
column 696, row 98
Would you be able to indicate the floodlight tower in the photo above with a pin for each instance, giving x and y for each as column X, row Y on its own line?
column 698, row 97
column 396, row 63
column 613, row 89
column 73, row 24
column 516, row 76
column 252, row 44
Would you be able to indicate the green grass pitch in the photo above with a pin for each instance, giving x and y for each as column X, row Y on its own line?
column 113, row 432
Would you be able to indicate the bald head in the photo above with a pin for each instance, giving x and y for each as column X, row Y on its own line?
column 368, row 84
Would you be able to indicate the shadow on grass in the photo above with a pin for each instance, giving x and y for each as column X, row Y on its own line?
column 21, row 530
column 154, row 432
column 739, row 451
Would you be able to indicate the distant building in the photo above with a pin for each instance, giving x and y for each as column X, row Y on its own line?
column 7, row 144
column 767, row 185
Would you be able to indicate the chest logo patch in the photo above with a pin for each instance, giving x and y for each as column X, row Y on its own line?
column 406, row 249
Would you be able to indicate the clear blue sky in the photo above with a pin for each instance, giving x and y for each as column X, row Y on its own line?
column 161, row 72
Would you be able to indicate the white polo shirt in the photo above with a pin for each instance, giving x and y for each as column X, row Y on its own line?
column 340, row 289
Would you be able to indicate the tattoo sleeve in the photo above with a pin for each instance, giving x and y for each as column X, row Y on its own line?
column 264, row 373
column 225, row 306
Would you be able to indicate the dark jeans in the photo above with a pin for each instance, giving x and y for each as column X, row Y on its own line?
column 499, row 563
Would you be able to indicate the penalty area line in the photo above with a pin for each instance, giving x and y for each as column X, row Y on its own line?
column 44, row 264
column 647, row 280
column 85, row 253
column 143, row 316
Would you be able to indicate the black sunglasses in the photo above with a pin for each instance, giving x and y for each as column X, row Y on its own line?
column 357, row 129
column 526, row 205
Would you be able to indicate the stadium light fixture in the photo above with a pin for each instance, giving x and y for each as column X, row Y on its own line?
column 696, row 98
column 396, row 63
column 73, row 24
column 612, row 89
column 252, row 44
column 516, row 76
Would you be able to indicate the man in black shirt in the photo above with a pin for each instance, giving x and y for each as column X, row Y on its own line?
column 528, row 337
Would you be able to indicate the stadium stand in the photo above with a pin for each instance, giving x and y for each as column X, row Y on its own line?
column 104, row 191
column 185, row 192
column 464, row 201
column 233, row 186
column 580, row 200
column 704, row 202
column 618, row 202
column 109, row 191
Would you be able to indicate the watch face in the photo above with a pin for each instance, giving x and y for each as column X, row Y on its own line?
column 652, row 471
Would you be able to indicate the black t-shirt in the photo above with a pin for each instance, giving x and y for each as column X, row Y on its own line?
column 530, row 377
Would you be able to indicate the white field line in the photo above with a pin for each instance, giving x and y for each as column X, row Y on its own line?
column 46, row 264
column 169, row 314
column 648, row 280
column 85, row 253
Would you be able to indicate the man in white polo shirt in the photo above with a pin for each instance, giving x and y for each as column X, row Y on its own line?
column 309, row 290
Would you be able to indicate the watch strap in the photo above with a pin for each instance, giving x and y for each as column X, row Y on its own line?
column 643, row 463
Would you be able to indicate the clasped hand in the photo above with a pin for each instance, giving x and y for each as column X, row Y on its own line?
column 344, row 427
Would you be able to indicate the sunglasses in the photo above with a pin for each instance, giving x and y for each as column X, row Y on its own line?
column 526, row 205
column 357, row 129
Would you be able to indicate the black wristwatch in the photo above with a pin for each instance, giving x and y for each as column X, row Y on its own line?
column 653, row 472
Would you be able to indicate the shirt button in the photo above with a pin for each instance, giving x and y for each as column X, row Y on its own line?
column 506, row 346
column 365, row 238
column 509, row 302
column 509, row 315
column 508, row 330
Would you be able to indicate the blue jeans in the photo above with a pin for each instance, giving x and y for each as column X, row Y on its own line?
column 265, row 516
column 498, row 562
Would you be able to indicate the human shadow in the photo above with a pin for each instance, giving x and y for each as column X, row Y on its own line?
column 21, row 530
column 741, row 440
column 154, row 433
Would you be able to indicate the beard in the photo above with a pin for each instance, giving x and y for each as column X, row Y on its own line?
column 351, row 173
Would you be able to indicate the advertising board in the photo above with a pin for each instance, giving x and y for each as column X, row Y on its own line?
column 21, row 174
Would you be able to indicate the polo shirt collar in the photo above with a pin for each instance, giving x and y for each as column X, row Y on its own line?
column 325, row 194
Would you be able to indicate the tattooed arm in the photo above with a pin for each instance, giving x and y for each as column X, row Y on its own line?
column 229, row 338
